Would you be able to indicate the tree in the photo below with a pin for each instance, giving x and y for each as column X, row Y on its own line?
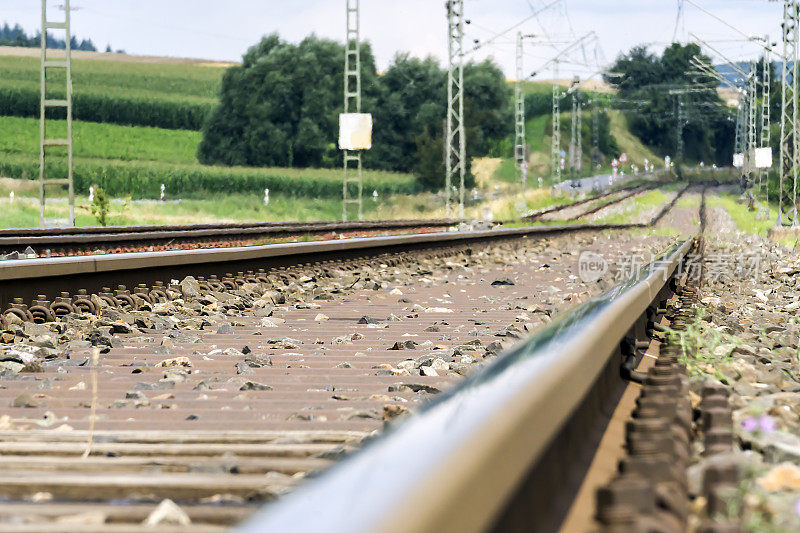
column 411, row 101
column 16, row 36
column 281, row 106
column 647, row 86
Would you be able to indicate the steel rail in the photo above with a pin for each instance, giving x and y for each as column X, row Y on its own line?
column 457, row 465
column 626, row 196
column 39, row 238
column 29, row 278
column 6, row 232
column 557, row 208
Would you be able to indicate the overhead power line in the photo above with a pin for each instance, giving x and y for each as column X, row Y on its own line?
column 512, row 28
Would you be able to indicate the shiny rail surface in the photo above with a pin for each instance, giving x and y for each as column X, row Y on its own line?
column 490, row 454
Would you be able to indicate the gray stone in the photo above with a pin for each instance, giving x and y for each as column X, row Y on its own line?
column 244, row 368
column 404, row 345
column 225, row 329
column 413, row 387
column 251, row 385
column 190, row 288
column 11, row 366
column 25, row 400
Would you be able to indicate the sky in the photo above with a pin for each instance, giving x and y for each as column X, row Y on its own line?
column 223, row 30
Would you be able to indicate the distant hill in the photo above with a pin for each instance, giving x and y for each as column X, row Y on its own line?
column 728, row 70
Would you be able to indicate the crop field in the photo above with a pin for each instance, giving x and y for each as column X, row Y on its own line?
column 137, row 127
column 175, row 96
column 143, row 179
column 20, row 136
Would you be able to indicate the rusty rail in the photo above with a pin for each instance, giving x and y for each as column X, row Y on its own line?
column 66, row 240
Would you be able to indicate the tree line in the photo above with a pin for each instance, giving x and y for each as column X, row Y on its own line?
column 648, row 87
column 16, row 36
column 280, row 107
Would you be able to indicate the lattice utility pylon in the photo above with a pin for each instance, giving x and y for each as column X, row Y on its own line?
column 352, row 104
column 680, row 123
column 595, row 133
column 48, row 101
column 455, row 137
column 765, row 137
column 575, row 144
column 520, row 146
column 740, row 139
column 752, row 121
column 555, row 145
column 789, row 153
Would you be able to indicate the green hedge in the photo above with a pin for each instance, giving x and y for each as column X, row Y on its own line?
column 143, row 180
column 127, row 111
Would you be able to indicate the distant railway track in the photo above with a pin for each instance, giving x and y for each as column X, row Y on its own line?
column 121, row 239
column 60, row 242
column 589, row 199
column 82, row 275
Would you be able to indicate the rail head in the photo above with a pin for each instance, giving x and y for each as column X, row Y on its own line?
column 86, row 265
column 452, row 466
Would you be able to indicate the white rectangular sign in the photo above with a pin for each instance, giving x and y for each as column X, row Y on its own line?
column 355, row 131
column 763, row 157
column 738, row 160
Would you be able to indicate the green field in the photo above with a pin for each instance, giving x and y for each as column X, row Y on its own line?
column 135, row 161
column 24, row 212
column 176, row 96
column 124, row 78
column 143, row 179
column 102, row 141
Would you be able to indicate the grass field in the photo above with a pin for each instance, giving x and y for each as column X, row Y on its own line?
column 148, row 93
column 103, row 141
column 119, row 98
column 193, row 81
column 143, row 179
column 135, row 161
column 24, row 212
column 744, row 218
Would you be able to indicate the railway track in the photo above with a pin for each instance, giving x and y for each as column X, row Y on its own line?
column 526, row 444
column 624, row 191
column 221, row 393
column 143, row 272
column 24, row 243
column 55, row 242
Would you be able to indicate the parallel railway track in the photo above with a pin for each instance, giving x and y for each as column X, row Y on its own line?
column 121, row 239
